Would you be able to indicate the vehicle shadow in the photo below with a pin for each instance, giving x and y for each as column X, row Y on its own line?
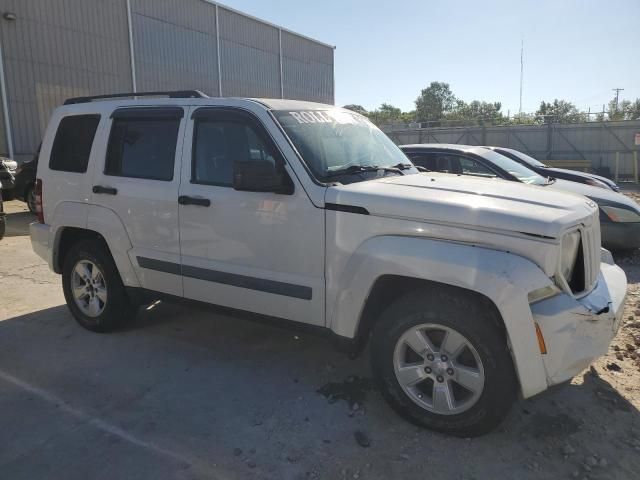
column 18, row 223
column 240, row 399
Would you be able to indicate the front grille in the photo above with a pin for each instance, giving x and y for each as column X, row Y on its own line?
column 591, row 255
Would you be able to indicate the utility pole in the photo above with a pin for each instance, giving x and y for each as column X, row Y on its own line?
column 617, row 90
column 521, row 71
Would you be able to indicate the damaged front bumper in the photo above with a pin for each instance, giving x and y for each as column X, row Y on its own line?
column 577, row 331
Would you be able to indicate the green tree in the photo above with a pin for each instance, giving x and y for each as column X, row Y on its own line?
column 476, row 110
column 633, row 110
column 558, row 111
column 357, row 108
column 434, row 102
column 386, row 113
column 624, row 110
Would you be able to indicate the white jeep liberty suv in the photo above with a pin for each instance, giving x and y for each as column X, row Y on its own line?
column 469, row 291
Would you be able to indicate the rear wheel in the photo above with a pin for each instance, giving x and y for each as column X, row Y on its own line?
column 441, row 361
column 93, row 289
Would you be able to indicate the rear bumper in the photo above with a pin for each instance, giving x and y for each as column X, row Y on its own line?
column 576, row 332
column 620, row 236
column 39, row 233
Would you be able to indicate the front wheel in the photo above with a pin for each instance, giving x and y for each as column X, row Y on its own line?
column 442, row 361
column 93, row 288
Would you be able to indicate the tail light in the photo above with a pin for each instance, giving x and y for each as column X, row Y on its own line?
column 39, row 209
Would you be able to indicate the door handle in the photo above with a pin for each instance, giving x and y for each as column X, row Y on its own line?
column 105, row 190
column 201, row 202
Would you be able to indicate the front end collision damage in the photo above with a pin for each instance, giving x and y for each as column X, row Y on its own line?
column 503, row 278
column 577, row 331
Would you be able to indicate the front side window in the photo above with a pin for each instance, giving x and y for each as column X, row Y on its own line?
column 72, row 145
column 332, row 141
column 472, row 167
column 426, row 160
column 219, row 142
column 143, row 147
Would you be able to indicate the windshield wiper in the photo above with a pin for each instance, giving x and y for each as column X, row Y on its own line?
column 403, row 166
column 354, row 169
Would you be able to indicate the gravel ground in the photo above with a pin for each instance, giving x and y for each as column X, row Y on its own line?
column 192, row 393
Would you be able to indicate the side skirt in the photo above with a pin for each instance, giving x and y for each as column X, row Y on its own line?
column 351, row 346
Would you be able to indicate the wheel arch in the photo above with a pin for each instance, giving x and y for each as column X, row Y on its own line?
column 498, row 279
column 101, row 224
column 389, row 288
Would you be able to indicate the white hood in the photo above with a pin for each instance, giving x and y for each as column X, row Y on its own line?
column 468, row 201
column 596, row 194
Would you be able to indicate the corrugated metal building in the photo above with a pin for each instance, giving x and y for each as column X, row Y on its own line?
column 55, row 49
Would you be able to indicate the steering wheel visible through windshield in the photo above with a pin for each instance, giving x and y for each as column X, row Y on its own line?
column 336, row 141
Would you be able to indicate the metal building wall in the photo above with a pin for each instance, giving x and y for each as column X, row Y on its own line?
column 58, row 49
column 307, row 69
column 175, row 46
column 250, row 56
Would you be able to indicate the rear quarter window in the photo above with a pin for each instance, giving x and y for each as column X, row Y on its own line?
column 72, row 144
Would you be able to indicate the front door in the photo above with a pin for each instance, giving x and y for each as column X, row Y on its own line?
column 139, row 182
column 255, row 251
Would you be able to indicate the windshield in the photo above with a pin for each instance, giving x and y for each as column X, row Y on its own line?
column 522, row 156
column 512, row 167
column 334, row 140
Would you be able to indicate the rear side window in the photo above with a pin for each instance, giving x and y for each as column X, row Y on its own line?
column 72, row 145
column 144, row 145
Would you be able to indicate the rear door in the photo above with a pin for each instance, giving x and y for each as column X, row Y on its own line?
column 139, row 181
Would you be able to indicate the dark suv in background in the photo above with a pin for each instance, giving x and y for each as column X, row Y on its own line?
column 8, row 169
column 25, row 182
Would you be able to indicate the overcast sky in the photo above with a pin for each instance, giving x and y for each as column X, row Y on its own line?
column 387, row 51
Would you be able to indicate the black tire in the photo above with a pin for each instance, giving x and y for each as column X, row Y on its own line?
column 466, row 315
column 118, row 309
column 29, row 198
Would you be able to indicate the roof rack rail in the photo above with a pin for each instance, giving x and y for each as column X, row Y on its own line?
column 170, row 94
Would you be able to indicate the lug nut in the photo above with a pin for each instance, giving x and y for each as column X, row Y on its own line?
column 427, row 370
column 450, row 371
column 430, row 357
column 440, row 378
column 444, row 358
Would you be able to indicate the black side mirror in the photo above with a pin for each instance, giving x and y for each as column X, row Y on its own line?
column 260, row 176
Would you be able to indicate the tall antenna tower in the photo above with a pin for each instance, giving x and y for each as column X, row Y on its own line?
column 521, row 72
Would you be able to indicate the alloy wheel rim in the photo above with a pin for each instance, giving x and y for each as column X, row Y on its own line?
column 439, row 369
column 89, row 288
